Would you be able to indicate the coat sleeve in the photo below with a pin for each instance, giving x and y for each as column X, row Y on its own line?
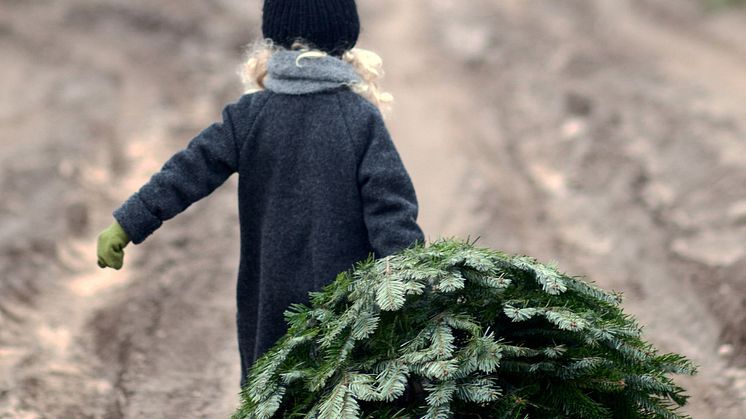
column 188, row 176
column 388, row 196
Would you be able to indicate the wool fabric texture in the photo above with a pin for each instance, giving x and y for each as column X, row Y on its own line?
column 291, row 73
column 321, row 186
column 329, row 25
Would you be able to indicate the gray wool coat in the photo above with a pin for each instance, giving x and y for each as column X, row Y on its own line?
column 321, row 186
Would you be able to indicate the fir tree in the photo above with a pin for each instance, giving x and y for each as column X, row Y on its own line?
column 453, row 330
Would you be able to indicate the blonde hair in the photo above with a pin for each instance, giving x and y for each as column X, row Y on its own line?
column 367, row 64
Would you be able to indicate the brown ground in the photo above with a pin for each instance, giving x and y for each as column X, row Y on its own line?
column 609, row 136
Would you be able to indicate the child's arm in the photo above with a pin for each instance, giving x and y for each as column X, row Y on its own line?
column 389, row 200
column 188, row 176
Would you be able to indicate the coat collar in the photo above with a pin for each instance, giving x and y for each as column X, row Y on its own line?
column 297, row 73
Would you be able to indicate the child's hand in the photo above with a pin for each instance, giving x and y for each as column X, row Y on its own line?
column 110, row 244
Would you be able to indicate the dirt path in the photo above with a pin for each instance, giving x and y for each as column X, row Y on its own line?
column 568, row 133
column 590, row 124
column 426, row 119
column 714, row 63
column 80, row 342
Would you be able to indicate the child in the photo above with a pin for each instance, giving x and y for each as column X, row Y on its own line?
column 321, row 185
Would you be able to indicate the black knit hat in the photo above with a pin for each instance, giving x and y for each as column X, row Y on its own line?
column 332, row 26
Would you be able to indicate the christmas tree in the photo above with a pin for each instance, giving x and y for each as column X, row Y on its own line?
column 454, row 330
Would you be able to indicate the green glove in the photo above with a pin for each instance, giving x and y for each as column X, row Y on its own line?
column 110, row 244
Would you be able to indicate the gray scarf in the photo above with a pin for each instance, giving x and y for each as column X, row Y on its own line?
column 286, row 74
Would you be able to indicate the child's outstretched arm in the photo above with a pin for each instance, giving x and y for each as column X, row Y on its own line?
column 188, row 176
column 389, row 200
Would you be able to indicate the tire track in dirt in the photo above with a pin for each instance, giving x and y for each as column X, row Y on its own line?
column 86, row 346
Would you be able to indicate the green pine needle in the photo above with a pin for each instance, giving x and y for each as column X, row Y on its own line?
column 453, row 330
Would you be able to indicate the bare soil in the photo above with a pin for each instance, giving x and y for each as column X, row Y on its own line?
column 607, row 136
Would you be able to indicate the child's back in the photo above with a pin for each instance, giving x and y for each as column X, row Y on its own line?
column 321, row 186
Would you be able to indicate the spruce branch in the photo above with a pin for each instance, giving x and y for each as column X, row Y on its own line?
column 454, row 330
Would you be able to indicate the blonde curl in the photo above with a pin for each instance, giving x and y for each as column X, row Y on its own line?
column 367, row 64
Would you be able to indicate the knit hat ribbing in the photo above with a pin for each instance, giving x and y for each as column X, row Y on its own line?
column 332, row 26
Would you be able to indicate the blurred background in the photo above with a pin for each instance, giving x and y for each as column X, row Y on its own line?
column 608, row 136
